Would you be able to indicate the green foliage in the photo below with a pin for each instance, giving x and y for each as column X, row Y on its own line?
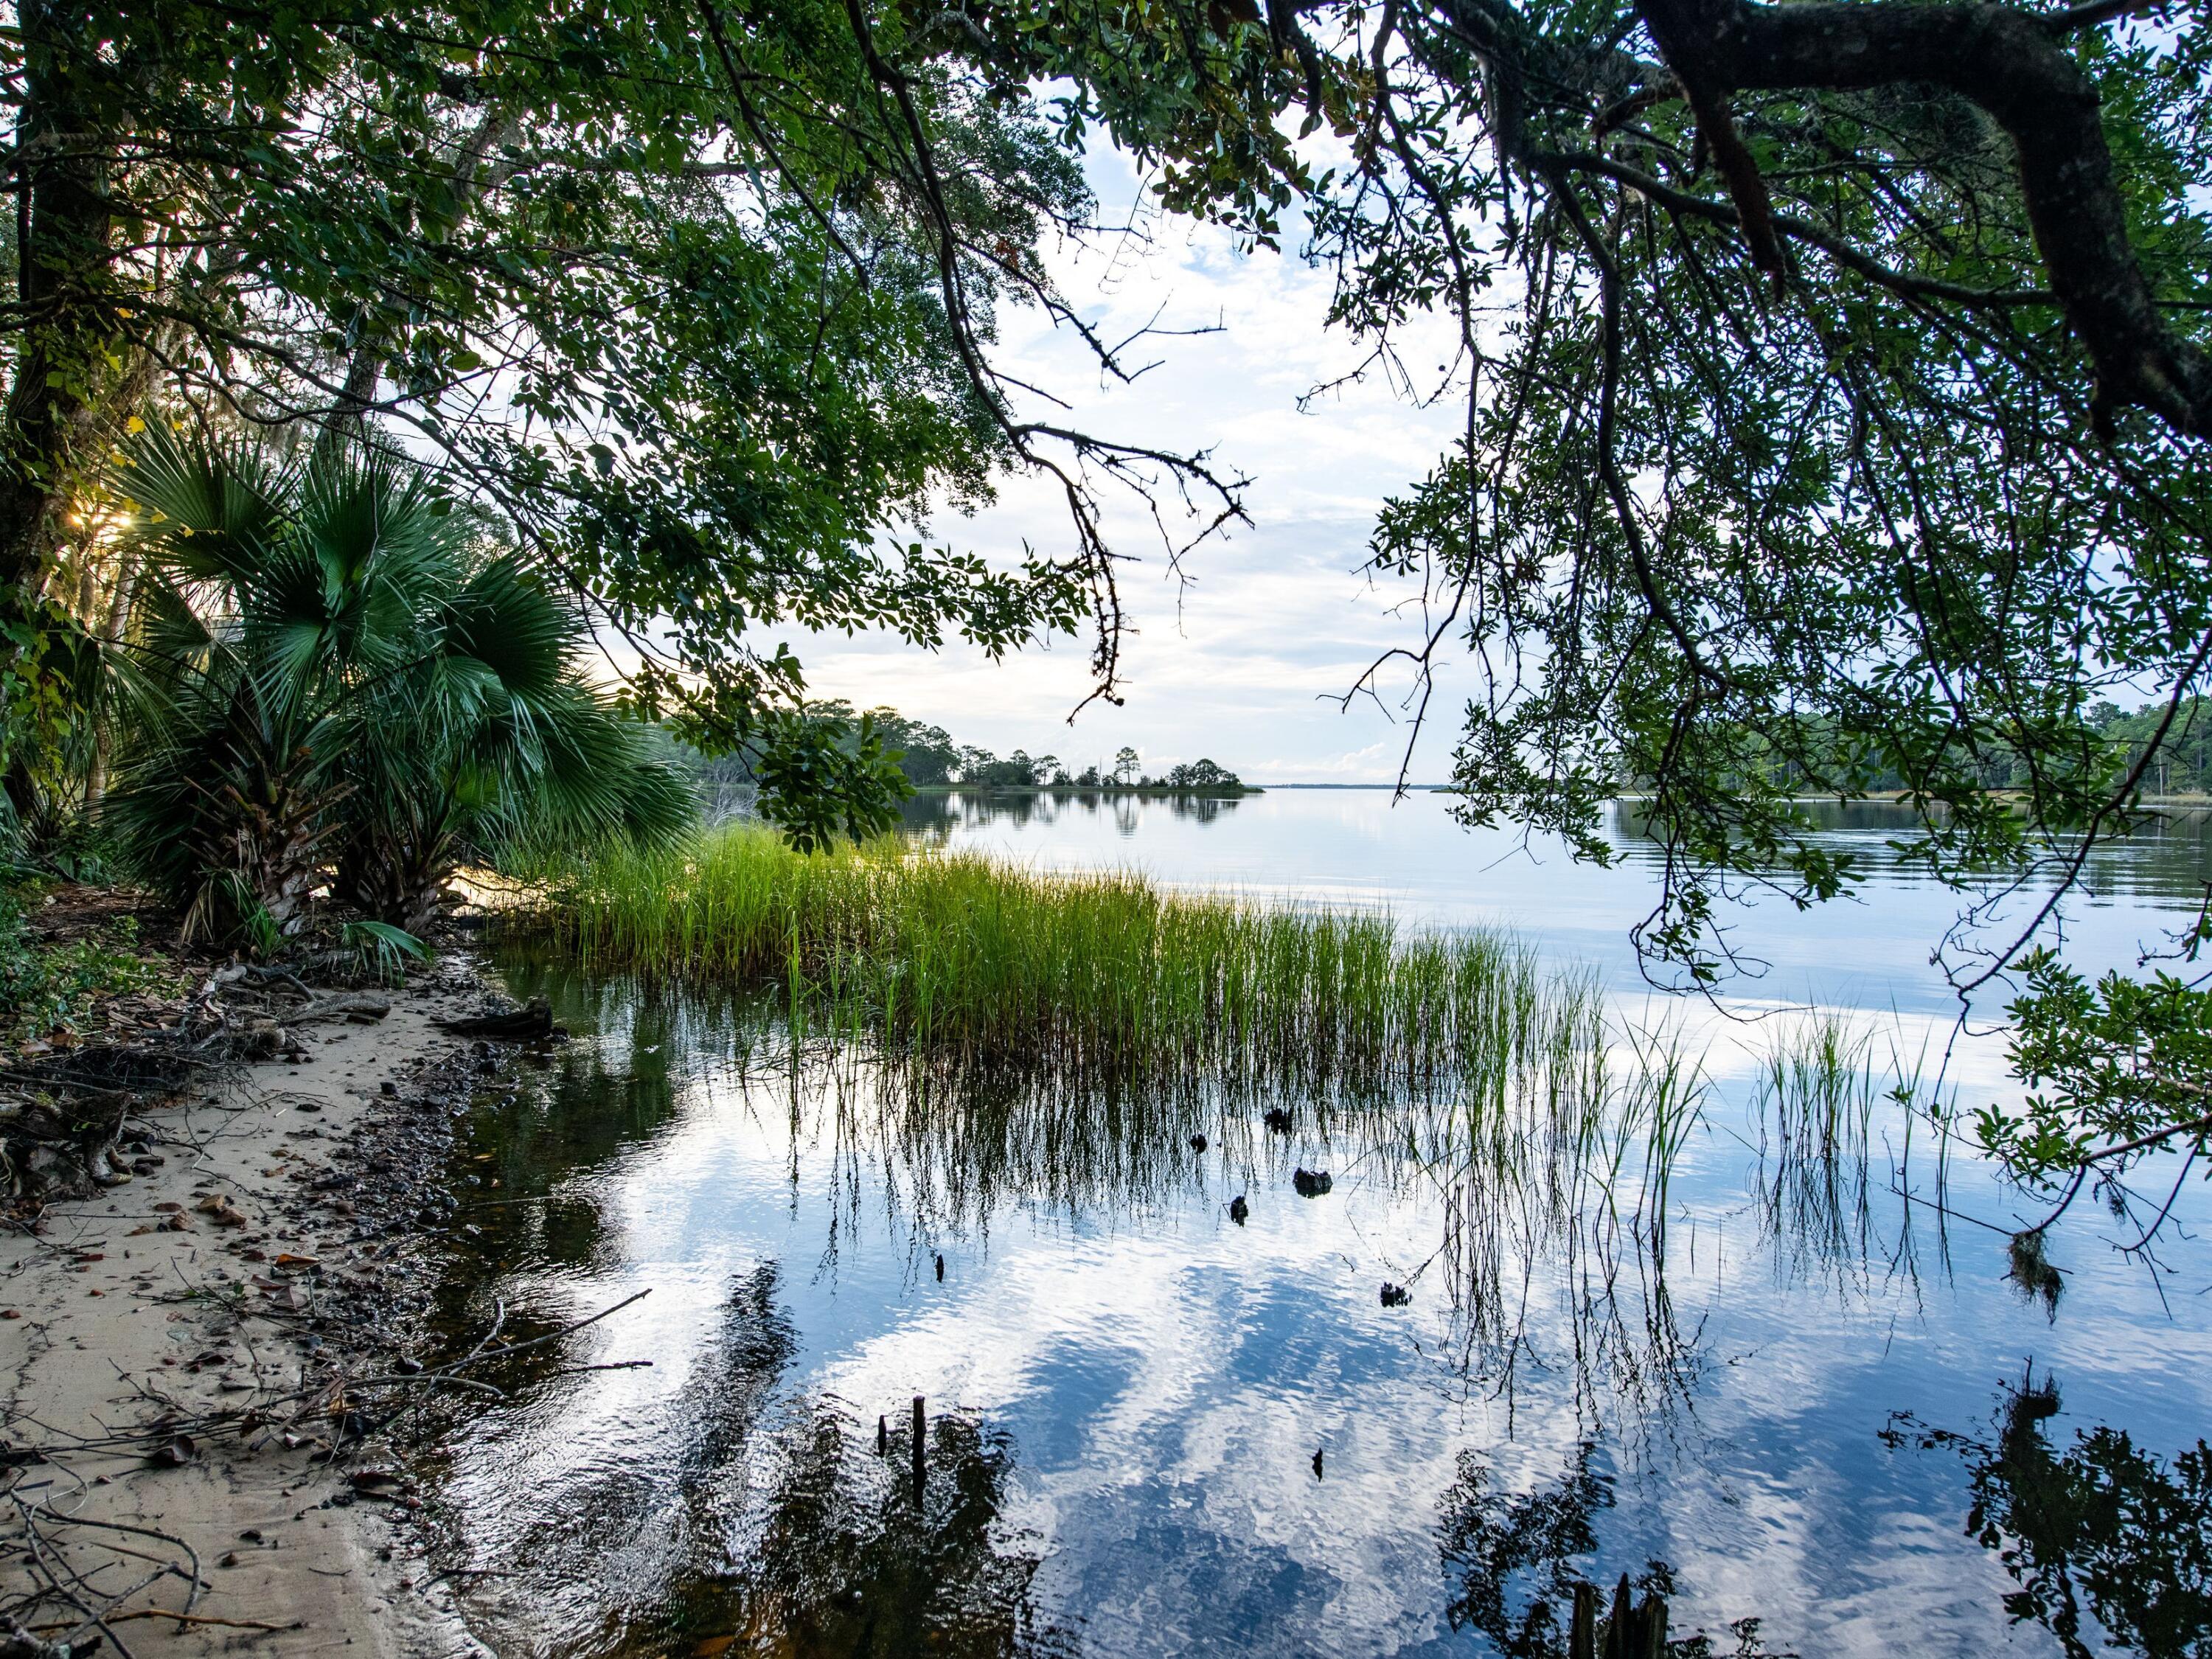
column 1019, row 770
column 384, row 948
column 816, row 786
column 337, row 680
column 46, row 989
column 924, row 755
column 1203, row 775
column 699, row 300
column 50, row 674
column 2177, row 755
column 2123, row 1063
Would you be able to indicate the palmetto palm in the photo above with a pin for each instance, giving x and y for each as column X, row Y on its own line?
column 335, row 679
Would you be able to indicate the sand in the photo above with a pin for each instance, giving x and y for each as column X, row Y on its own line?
column 120, row 1316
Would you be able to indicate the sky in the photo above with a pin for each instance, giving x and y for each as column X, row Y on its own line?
column 1245, row 661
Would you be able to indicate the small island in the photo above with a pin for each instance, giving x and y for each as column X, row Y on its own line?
column 933, row 761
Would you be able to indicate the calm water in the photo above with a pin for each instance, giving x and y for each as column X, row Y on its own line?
column 1779, row 1387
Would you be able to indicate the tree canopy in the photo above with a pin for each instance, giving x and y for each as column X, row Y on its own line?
column 701, row 300
column 1833, row 376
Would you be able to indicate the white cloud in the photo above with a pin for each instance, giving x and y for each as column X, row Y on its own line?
column 1240, row 661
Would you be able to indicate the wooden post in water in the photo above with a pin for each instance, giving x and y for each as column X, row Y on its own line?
column 1617, row 1635
column 1582, row 1630
column 1630, row 1631
column 920, row 1465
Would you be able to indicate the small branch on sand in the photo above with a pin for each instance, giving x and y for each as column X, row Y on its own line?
column 187, row 1619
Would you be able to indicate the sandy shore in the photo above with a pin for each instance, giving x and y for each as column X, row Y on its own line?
column 182, row 1358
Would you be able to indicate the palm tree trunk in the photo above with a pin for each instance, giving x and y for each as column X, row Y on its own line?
column 111, row 635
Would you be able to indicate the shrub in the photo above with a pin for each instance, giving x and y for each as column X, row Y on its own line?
column 336, row 680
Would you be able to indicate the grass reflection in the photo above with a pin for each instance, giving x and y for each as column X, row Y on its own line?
column 1552, row 1188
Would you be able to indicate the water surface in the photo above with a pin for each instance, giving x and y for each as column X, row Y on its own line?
column 1812, row 1410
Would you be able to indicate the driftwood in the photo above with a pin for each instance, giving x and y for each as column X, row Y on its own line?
column 354, row 1007
column 60, row 1114
column 55, row 1143
column 532, row 1023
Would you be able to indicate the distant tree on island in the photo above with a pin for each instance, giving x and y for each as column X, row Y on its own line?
column 927, row 756
column 1202, row 775
column 1019, row 770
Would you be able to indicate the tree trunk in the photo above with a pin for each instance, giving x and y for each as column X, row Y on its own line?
column 401, row 879
column 2016, row 67
column 112, row 629
column 62, row 230
column 347, row 422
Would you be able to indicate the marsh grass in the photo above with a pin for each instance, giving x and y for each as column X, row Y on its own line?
column 982, row 1033
column 1819, row 1088
column 965, row 1037
column 1837, row 1103
column 982, row 967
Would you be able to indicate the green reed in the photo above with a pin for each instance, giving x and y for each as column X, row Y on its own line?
column 1820, row 1084
column 988, row 966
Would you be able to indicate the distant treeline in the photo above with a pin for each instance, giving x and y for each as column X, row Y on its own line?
column 1810, row 759
column 929, row 756
column 2183, row 763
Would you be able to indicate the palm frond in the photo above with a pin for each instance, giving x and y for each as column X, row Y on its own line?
column 506, row 619
column 213, row 508
column 338, row 684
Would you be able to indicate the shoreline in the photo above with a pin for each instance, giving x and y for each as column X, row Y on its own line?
column 199, row 1362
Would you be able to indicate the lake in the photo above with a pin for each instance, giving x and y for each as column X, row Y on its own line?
column 1780, row 1374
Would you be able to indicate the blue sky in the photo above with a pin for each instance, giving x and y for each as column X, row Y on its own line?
column 1237, row 663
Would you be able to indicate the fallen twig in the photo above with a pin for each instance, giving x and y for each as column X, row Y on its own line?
column 207, row 1618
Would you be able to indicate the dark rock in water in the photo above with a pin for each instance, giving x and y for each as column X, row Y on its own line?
column 1277, row 1120
column 1198, row 1143
column 1238, row 1209
column 1395, row 1296
column 1310, row 1183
